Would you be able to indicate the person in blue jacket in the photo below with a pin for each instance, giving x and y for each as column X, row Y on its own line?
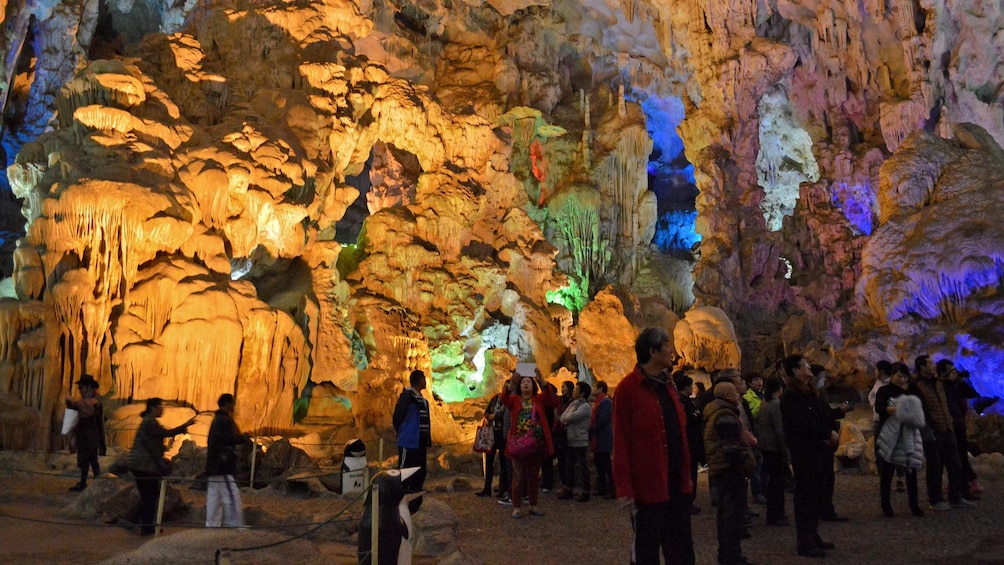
column 601, row 433
column 411, row 422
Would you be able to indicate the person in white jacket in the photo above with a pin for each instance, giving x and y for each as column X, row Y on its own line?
column 576, row 419
column 898, row 444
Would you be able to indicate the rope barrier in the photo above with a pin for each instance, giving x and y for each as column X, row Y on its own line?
column 304, row 534
column 292, row 441
column 171, row 479
column 222, row 554
column 188, row 525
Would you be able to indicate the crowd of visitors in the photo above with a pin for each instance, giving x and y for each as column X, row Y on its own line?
column 757, row 436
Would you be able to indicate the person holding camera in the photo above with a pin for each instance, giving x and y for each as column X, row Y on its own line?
column 529, row 438
column 833, row 413
column 809, row 436
column 147, row 463
column 959, row 391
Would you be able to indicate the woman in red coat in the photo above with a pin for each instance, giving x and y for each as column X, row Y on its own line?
column 528, row 426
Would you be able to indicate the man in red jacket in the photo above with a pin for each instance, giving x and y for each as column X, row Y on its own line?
column 651, row 457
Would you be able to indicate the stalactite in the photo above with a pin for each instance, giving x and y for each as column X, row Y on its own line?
column 576, row 214
column 906, row 13
column 524, row 130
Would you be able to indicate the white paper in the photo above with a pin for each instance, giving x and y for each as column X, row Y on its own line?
column 526, row 369
column 70, row 420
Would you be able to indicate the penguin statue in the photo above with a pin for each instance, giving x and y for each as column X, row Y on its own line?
column 394, row 533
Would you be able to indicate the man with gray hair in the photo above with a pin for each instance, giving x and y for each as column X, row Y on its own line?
column 651, row 456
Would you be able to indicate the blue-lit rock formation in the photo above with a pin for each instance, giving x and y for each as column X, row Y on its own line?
column 933, row 269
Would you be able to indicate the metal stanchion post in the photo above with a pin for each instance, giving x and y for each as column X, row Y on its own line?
column 160, row 507
column 380, row 454
column 375, row 518
column 254, row 452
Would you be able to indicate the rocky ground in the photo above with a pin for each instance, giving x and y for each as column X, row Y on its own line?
column 36, row 527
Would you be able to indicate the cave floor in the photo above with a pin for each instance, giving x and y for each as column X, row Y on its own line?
column 571, row 532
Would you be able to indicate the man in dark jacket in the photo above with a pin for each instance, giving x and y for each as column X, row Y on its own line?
column 940, row 448
column 601, row 433
column 808, row 434
column 959, row 391
column 827, row 511
column 730, row 461
column 414, row 434
column 223, row 497
column 695, row 426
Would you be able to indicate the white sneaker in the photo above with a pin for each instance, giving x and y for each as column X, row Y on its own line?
column 963, row 503
column 941, row 506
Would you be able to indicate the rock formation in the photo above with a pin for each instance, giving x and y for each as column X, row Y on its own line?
column 301, row 203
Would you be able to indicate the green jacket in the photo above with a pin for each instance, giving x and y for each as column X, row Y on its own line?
column 754, row 399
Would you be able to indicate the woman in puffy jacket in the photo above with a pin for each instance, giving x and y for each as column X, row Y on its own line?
column 898, row 443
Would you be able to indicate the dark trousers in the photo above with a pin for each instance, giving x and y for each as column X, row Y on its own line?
column 886, row 471
column 756, row 478
column 962, row 442
column 774, row 473
column 149, row 492
column 604, row 473
column 808, row 470
column 578, row 463
column 547, row 472
column 940, row 454
column 94, row 466
column 561, row 459
column 731, row 516
column 87, row 457
column 694, row 470
column 829, row 480
column 663, row 526
column 498, row 448
column 413, row 457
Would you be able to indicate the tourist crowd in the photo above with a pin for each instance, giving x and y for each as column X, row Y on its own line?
column 757, row 436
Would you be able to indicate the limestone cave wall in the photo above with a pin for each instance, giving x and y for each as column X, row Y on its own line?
column 301, row 202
